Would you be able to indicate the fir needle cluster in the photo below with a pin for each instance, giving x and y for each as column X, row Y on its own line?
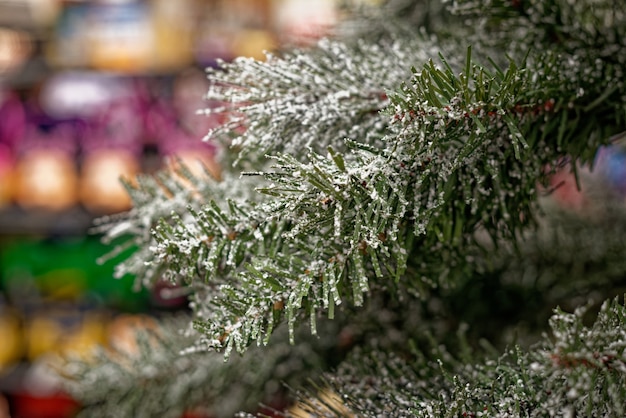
column 398, row 164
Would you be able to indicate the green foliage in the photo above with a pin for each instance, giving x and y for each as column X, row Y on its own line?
column 579, row 370
column 405, row 167
column 312, row 98
column 153, row 373
column 465, row 158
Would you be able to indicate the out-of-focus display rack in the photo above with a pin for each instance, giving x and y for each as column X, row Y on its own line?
column 91, row 91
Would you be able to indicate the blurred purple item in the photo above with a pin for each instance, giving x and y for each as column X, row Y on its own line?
column 61, row 137
column 174, row 140
column 12, row 119
column 119, row 122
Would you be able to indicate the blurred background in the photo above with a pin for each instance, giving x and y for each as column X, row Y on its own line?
column 91, row 91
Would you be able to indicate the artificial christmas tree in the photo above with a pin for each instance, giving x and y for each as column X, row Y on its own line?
column 384, row 238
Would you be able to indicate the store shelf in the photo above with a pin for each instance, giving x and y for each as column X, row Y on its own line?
column 71, row 222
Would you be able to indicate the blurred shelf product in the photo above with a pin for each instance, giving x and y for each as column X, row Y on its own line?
column 16, row 47
column 134, row 37
column 28, row 14
column 64, row 270
column 158, row 36
column 65, row 146
column 153, row 36
column 55, row 300
column 97, row 190
column 12, row 345
column 46, row 179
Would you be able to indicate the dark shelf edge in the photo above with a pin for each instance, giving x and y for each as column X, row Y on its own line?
column 17, row 221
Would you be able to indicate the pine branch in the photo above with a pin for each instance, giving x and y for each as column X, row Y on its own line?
column 429, row 181
column 464, row 153
column 309, row 99
column 393, row 19
column 569, row 260
column 381, row 180
column 584, row 28
column 163, row 199
column 580, row 370
column 153, row 372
